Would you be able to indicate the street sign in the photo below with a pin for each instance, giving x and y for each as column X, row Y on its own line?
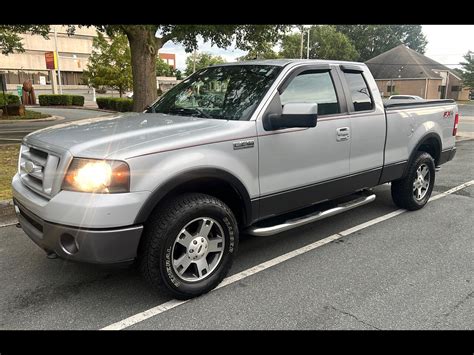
column 51, row 60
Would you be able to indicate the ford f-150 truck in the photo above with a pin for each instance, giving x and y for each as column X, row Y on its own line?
column 255, row 147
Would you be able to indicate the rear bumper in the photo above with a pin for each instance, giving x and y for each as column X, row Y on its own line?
column 98, row 246
column 447, row 155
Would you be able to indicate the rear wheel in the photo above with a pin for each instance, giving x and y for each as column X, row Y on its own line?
column 414, row 191
column 189, row 245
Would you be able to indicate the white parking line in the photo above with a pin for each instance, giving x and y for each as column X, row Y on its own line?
column 267, row 264
column 8, row 224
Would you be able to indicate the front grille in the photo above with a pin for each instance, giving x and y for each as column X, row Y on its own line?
column 37, row 169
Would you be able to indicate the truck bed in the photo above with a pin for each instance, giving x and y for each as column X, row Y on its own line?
column 404, row 103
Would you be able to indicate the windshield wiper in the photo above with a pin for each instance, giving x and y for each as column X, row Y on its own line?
column 190, row 110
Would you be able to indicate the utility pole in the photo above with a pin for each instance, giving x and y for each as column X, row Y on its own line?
column 447, row 85
column 302, row 42
column 57, row 56
column 307, row 49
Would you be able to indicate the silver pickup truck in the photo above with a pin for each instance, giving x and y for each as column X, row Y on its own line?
column 255, row 147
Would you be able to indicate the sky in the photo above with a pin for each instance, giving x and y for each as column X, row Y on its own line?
column 446, row 44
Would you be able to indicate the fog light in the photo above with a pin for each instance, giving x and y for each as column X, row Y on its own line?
column 68, row 244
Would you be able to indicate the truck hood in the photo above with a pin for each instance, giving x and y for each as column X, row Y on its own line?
column 131, row 134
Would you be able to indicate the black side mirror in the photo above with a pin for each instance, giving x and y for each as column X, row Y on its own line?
column 293, row 115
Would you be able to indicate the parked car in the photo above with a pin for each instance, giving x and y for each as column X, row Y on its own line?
column 406, row 97
column 172, row 188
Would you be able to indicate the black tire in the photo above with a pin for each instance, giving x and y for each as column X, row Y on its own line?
column 402, row 190
column 161, row 231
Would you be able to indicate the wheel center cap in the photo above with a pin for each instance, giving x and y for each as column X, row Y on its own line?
column 198, row 247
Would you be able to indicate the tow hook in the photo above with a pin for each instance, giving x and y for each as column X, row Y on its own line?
column 52, row 255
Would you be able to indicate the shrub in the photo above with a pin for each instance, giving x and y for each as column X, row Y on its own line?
column 62, row 100
column 102, row 102
column 9, row 99
column 77, row 100
column 52, row 100
column 115, row 103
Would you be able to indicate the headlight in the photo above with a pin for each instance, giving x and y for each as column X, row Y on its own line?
column 101, row 176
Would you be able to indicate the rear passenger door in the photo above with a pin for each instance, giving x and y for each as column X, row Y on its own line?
column 367, row 125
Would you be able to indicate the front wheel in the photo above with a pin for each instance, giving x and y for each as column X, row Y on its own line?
column 414, row 191
column 189, row 245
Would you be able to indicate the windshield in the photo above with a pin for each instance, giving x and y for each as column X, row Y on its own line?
column 225, row 92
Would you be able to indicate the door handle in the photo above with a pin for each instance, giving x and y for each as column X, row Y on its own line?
column 342, row 134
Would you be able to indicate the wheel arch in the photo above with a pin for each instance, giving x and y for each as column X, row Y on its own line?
column 430, row 143
column 215, row 182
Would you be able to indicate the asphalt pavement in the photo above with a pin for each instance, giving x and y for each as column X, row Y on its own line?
column 412, row 271
column 14, row 132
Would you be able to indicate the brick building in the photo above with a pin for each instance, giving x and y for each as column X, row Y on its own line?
column 404, row 71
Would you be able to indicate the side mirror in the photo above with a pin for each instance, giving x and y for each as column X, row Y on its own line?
column 293, row 115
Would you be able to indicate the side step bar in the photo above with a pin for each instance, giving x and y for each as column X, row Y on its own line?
column 297, row 222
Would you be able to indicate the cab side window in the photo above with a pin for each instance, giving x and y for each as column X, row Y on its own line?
column 360, row 93
column 313, row 87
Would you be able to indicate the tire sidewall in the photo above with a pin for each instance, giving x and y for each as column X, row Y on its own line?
column 229, row 226
column 424, row 158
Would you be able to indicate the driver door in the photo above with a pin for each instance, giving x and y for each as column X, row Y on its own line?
column 302, row 166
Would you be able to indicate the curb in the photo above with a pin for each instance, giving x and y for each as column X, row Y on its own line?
column 74, row 107
column 51, row 118
column 6, row 203
column 6, row 209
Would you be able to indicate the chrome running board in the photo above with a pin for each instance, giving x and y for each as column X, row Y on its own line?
column 297, row 222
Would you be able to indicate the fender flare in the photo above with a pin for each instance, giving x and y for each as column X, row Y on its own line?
column 419, row 144
column 194, row 174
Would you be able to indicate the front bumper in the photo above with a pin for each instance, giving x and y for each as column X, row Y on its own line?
column 99, row 246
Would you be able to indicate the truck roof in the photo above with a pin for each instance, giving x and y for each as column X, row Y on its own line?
column 284, row 62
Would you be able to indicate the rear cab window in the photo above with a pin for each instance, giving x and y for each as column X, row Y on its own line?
column 359, row 91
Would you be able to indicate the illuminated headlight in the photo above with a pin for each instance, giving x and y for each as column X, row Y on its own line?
column 101, row 176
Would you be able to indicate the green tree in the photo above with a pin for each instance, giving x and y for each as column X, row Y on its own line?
column 202, row 60
column 468, row 70
column 291, row 46
column 265, row 51
column 164, row 69
column 372, row 40
column 110, row 63
column 325, row 42
column 10, row 40
column 146, row 40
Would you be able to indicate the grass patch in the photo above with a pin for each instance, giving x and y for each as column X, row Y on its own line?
column 8, row 163
column 29, row 115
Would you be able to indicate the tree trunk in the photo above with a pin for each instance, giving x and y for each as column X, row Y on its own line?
column 143, row 49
